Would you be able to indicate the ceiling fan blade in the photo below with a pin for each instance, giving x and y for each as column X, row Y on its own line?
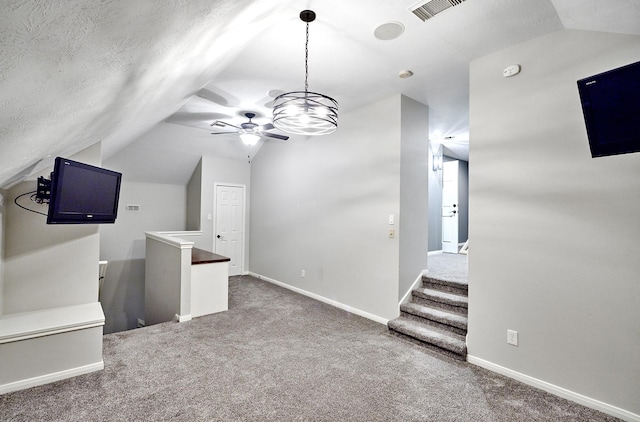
column 223, row 133
column 220, row 123
column 268, row 126
column 275, row 135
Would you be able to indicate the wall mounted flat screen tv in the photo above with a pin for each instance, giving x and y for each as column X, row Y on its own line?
column 611, row 108
column 83, row 194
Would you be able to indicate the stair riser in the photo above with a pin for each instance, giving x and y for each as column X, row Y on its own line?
column 435, row 324
column 431, row 284
column 453, row 354
column 438, row 305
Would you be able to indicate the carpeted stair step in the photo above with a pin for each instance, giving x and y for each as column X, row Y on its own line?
column 451, row 286
column 429, row 335
column 454, row 322
column 442, row 300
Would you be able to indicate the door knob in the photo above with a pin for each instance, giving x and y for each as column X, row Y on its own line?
column 454, row 211
column 219, row 237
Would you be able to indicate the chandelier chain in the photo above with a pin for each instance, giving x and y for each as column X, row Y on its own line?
column 306, row 61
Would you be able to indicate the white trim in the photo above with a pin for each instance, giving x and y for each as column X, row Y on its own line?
column 183, row 318
column 169, row 239
column 323, row 299
column 556, row 390
column 415, row 284
column 46, row 322
column 181, row 233
column 55, row 376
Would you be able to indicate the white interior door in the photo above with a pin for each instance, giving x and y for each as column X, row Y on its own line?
column 229, row 227
column 450, row 206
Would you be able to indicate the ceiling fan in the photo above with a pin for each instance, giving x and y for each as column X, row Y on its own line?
column 249, row 132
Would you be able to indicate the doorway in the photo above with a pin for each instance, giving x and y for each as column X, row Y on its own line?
column 229, row 225
column 450, row 208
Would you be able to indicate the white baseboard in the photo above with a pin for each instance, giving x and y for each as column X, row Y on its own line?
column 558, row 391
column 323, row 299
column 56, row 376
column 182, row 318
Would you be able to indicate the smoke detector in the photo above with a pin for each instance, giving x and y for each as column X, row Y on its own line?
column 405, row 74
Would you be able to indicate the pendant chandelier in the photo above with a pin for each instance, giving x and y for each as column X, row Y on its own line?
column 305, row 112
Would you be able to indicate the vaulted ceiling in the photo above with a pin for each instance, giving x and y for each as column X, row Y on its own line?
column 149, row 77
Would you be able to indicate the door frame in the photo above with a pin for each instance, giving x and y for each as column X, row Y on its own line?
column 244, row 218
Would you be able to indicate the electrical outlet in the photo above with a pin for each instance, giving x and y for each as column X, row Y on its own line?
column 303, row 273
column 392, row 233
column 512, row 337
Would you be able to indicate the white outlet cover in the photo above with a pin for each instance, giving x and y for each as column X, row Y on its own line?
column 512, row 337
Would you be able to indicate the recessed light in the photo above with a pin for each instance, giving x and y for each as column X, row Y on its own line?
column 389, row 31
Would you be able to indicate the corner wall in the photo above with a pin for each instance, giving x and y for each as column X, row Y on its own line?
column 221, row 170
column 555, row 233
column 321, row 204
column 194, row 198
column 414, row 196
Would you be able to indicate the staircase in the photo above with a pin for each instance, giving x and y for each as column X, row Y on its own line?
column 435, row 317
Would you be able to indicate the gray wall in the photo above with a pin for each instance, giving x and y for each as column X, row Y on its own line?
column 463, row 201
column 3, row 199
column 194, row 199
column 414, row 197
column 555, row 232
column 321, row 204
column 221, row 170
column 48, row 266
column 162, row 208
column 435, row 202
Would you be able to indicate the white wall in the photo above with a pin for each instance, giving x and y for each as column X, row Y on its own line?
column 321, row 204
column 48, row 266
column 555, row 234
column 162, row 208
column 414, row 186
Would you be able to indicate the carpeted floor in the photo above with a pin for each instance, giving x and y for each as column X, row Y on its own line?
column 279, row 356
column 448, row 266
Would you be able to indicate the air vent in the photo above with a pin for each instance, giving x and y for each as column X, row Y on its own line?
column 431, row 8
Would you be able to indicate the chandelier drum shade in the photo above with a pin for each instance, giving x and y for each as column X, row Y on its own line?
column 305, row 112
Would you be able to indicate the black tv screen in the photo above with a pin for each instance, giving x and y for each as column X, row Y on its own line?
column 83, row 194
column 611, row 108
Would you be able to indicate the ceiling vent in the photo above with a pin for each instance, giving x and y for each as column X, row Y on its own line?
column 431, row 8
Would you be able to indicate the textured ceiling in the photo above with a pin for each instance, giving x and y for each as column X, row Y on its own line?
column 77, row 72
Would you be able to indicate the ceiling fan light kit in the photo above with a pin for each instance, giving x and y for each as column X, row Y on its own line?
column 250, row 133
column 305, row 112
column 249, row 139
